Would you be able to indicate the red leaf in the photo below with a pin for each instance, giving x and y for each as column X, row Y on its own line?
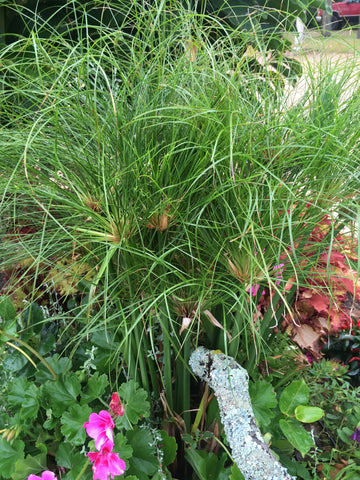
column 320, row 302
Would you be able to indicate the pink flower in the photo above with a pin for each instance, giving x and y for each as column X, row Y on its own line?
column 100, row 427
column 106, row 463
column 47, row 475
column 278, row 272
column 115, row 406
column 253, row 289
column 309, row 358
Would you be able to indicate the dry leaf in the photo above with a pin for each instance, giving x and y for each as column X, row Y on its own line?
column 307, row 338
column 185, row 323
column 190, row 50
column 216, row 323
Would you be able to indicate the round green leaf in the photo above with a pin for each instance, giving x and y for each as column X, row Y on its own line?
column 308, row 414
column 144, row 460
column 14, row 361
column 297, row 393
column 168, row 446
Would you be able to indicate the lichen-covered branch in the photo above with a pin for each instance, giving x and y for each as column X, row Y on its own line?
column 230, row 384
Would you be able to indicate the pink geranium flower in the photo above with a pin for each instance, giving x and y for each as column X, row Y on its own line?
column 115, row 405
column 106, row 463
column 100, row 427
column 47, row 475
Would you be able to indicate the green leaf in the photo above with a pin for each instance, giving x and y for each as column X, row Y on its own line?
column 51, row 421
column 30, row 465
column 345, row 434
column 61, row 394
column 212, row 412
column 297, row 435
column 9, row 455
column 33, row 316
column 16, row 391
column 80, row 464
column 104, row 340
column 207, row 465
column 41, row 446
column 144, row 461
column 64, row 455
column 168, row 447
column 95, row 388
column 122, row 447
column 7, row 310
column 73, row 424
column 59, row 365
column 263, row 398
column 24, row 394
column 136, row 404
column 297, row 393
column 9, row 327
column 47, row 344
column 295, row 468
column 163, row 475
column 30, row 404
column 307, row 414
column 68, row 458
column 236, row 473
column 14, row 361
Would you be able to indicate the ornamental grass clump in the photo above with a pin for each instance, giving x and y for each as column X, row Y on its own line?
column 173, row 188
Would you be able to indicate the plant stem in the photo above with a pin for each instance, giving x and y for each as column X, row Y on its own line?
column 82, row 471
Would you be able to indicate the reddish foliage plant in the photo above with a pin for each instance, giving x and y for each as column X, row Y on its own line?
column 331, row 300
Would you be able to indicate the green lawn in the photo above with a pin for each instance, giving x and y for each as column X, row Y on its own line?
column 340, row 42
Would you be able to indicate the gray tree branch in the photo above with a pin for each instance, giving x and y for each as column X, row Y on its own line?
column 230, row 384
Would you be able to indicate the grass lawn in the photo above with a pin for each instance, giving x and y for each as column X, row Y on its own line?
column 340, row 42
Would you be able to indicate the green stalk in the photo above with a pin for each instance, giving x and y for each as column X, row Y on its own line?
column 82, row 471
column 136, row 342
column 272, row 317
column 167, row 360
column 235, row 332
column 151, row 368
column 138, row 345
column 200, row 413
column 184, row 382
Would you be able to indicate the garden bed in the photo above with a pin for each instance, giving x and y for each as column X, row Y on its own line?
column 155, row 201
